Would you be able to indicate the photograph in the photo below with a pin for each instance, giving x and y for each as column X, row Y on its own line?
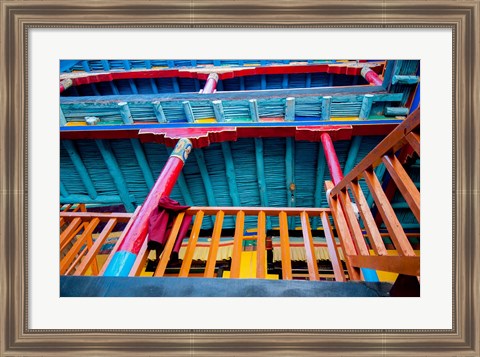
column 239, row 178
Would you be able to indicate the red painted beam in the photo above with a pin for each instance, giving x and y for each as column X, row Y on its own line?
column 349, row 68
column 371, row 76
column 332, row 159
column 137, row 232
column 199, row 137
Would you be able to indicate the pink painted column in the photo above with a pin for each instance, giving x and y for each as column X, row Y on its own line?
column 124, row 258
column 332, row 159
column 211, row 84
column 371, row 76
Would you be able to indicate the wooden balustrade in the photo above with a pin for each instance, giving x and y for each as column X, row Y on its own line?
column 81, row 249
column 391, row 152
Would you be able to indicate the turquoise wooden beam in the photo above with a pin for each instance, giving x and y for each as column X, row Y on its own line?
column 355, row 144
column 63, row 190
column 263, row 82
column 252, row 103
column 242, row 83
column 320, row 177
column 330, row 80
column 182, row 184
column 158, row 110
column 80, row 168
column 230, row 172
column 176, row 86
column 131, row 83
column 366, row 107
column 206, row 179
column 262, row 182
column 125, row 113
column 394, row 111
column 143, row 163
column 290, row 109
column 399, row 79
column 308, row 80
column 85, row 66
column 116, row 173
column 100, row 199
column 326, row 105
column 63, row 121
column 290, row 177
column 94, row 89
column 218, row 111
column 187, row 107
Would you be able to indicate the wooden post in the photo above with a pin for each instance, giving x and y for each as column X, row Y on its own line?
column 124, row 258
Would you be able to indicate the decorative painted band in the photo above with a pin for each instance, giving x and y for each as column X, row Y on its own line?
column 121, row 264
column 182, row 149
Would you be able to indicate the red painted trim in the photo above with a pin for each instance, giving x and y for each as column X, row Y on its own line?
column 373, row 78
column 332, row 159
column 211, row 84
column 137, row 232
column 349, row 68
column 168, row 136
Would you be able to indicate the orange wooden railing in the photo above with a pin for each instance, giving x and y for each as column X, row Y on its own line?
column 80, row 250
column 404, row 138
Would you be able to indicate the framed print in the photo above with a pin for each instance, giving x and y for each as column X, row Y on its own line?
column 136, row 80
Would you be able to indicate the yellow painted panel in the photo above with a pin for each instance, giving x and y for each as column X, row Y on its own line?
column 248, row 267
column 76, row 123
column 206, row 120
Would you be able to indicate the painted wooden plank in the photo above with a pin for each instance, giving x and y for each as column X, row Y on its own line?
column 290, row 176
column 388, row 74
column 230, row 172
column 366, row 107
column 119, row 241
column 143, row 162
column 63, row 121
column 212, row 253
column 308, row 80
column 346, row 241
column 391, row 221
column 101, row 199
column 261, row 246
column 369, row 222
column 262, row 185
column 395, row 264
column 404, row 183
column 167, row 250
column 153, row 85
column 340, row 94
column 86, row 66
column 263, row 82
column 70, row 256
column 187, row 107
column 285, row 81
column 380, row 172
column 332, row 249
column 285, row 247
column 63, row 190
column 237, row 245
column 158, row 110
column 114, row 88
column 353, row 224
column 326, row 107
column 77, row 260
column 103, row 217
column 176, row 86
column 95, row 248
column 105, row 65
column 253, row 211
column 320, row 173
column 290, row 109
column 252, row 103
column 192, row 243
column 218, row 111
column 396, row 111
column 205, row 176
column 116, row 173
column 403, row 79
column 141, row 260
column 71, row 231
column 182, row 184
column 80, row 168
column 355, row 144
column 414, row 141
column 125, row 113
column 309, row 248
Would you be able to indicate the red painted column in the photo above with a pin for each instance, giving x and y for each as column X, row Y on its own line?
column 124, row 258
column 371, row 76
column 211, row 84
column 332, row 159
